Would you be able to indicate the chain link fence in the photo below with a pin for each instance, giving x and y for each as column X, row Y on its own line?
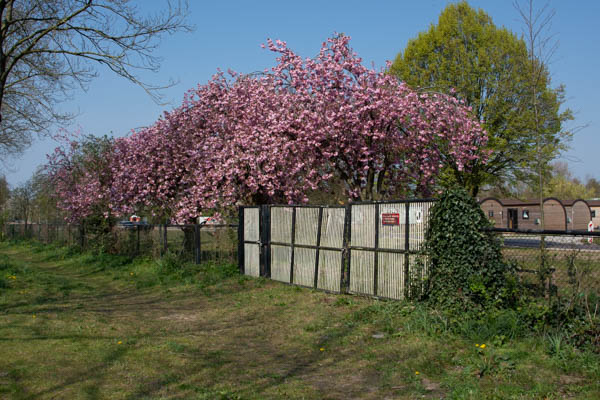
column 557, row 262
column 193, row 243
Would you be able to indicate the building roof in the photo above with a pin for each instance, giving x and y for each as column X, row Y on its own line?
column 591, row 203
column 535, row 202
column 517, row 202
column 513, row 202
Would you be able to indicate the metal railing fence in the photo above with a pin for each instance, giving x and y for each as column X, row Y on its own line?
column 194, row 243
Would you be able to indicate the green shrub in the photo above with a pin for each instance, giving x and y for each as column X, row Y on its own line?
column 212, row 273
column 171, row 264
column 5, row 263
column 466, row 268
column 72, row 251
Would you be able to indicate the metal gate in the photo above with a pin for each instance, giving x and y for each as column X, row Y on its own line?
column 249, row 252
column 363, row 248
column 386, row 239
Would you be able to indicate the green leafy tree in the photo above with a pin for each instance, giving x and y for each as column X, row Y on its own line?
column 559, row 183
column 567, row 189
column 593, row 185
column 487, row 67
column 564, row 185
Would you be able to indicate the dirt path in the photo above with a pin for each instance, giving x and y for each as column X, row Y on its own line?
column 248, row 338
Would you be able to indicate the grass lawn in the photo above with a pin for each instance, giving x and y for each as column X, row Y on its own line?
column 79, row 326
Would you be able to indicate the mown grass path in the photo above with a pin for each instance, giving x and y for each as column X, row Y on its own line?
column 73, row 328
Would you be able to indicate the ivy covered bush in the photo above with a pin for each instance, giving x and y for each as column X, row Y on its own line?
column 466, row 268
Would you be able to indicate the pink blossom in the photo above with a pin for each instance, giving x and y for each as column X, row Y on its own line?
column 273, row 137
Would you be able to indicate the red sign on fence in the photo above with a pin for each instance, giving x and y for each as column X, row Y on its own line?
column 390, row 219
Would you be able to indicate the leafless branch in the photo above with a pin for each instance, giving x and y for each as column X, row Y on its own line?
column 48, row 48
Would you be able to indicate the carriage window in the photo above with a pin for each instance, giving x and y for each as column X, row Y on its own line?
column 594, row 214
column 525, row 214
column 491, row 213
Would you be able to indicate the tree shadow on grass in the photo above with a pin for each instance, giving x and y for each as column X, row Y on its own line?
column 248, row 364
column 96, row 374
column 230, row 348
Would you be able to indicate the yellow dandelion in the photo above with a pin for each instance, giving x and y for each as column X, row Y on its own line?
column 482, row 346
column 476, row 344
column 131, row 273
column 33, row 315
column 416, row 372
column 119, row 342
column 322, row 349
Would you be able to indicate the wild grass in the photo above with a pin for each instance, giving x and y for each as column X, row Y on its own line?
column 92, row 325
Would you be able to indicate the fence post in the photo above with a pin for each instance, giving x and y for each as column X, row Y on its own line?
column 165, row 248
column 82, row 235
column 376, row 252
column 293, row 250
column 265, row 239
column 241, row 240
column 345, row 276
column 197, row 243
column 319, row 226
column 137, row 243
column 159, row 241
column 407, row 277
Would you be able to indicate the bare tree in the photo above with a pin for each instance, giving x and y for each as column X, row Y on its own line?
column 4, row 193
column 4, row 203
column 22, row 201
column 48, row 48
column 541, row 46
column 44, row 207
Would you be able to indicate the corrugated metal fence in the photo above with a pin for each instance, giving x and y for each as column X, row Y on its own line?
column 363, row 248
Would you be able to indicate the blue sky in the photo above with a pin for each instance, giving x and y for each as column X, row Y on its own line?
column 229, row 34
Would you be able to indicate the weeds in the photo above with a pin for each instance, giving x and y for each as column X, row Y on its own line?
column 489, row 361
column 253, row 338
column 342, row 301
column 556, row 342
